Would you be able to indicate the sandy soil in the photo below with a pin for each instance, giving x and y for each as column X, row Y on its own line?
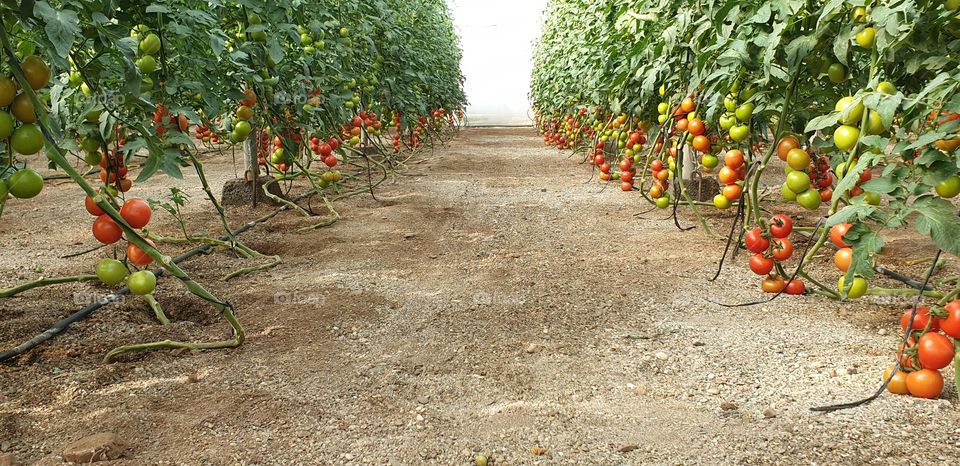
column 492, row 301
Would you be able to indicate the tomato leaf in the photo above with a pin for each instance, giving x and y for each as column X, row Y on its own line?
column 60, row 25
column 852, row 213
column 938, row 219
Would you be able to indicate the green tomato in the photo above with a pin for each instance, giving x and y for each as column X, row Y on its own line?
column 845, row 137
column 857, row 289
column 809, row 199
column 709, row 161
column 798, row 181
column 887, row 87
column 730, row 103
column 871, row 198
column 253, row 18
column 867, row 37
column 305, row 39
column 242, row 129
column 111, row 272
column 259, row 36
column 150, row 44
column 787, row 193
column 25, row 183
column 147, row 64
column 837, row 73
column 949, row 187
column 663, row 108
column 662, row 119
column 664, row 201
column 92, row 158
column 798, row 159
column 859, row 15
column 27, row 139
column 727, row 121
column 721, row 202
column 744, row 111
column 875, row 123
column 951, row 5
column 855, row 115
column 90, row 144
column 6, row 125
column 740, row 132
column 344, row 32
column 142, row 283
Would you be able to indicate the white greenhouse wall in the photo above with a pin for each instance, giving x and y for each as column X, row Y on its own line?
column 497, row 38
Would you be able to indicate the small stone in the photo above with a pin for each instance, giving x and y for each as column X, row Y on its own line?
column 851, row 370
column 420, row 418
column 882, row 331
column 699, row 343
column 97, row 447
column 713, row 391
column 409, row 235
column 422, row 400
column 7, row 459
column 769, row 413
column 660, row 355
column 728, row 406
column 629, row 447
column 641, row 389
column 5, row 445
column 348, row 456
column 532, row 348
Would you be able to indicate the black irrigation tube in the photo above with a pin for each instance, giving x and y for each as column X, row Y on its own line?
column 62, row 325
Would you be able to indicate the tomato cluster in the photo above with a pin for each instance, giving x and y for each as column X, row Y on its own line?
column 930, row 347
column 770, row 249
column 809, row 180
column 325, row 150
column 18, row 127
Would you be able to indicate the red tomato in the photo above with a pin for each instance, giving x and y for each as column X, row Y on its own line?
column 105, row 230
column 920, row 321
column 772, row 284
column 138, row 256
column 761, row 265
column 796, row 287
column 733, row 159
column 782, row 249
column 951, row 324
column 837, row 233
column 136, row 212
column 92, row 207
column 781, row 226
column 755, row 241
column 925, row 383
column 934, row 351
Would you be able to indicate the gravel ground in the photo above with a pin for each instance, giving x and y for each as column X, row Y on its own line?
column 492, row 301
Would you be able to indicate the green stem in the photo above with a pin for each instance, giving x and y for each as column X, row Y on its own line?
column 10, row 292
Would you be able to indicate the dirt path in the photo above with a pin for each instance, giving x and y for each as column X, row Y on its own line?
column 490, row 302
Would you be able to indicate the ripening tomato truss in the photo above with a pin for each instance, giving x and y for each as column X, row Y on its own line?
column 326, row 94
column 854, row 106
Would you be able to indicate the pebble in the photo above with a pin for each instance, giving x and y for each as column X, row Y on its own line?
column 728, row 406
column 629, row 447
column 532, row 348
column 422, row 400
column 660, row 355
column 409, row 235
column 713, row 391
column 882, row 331
column 769, row 413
